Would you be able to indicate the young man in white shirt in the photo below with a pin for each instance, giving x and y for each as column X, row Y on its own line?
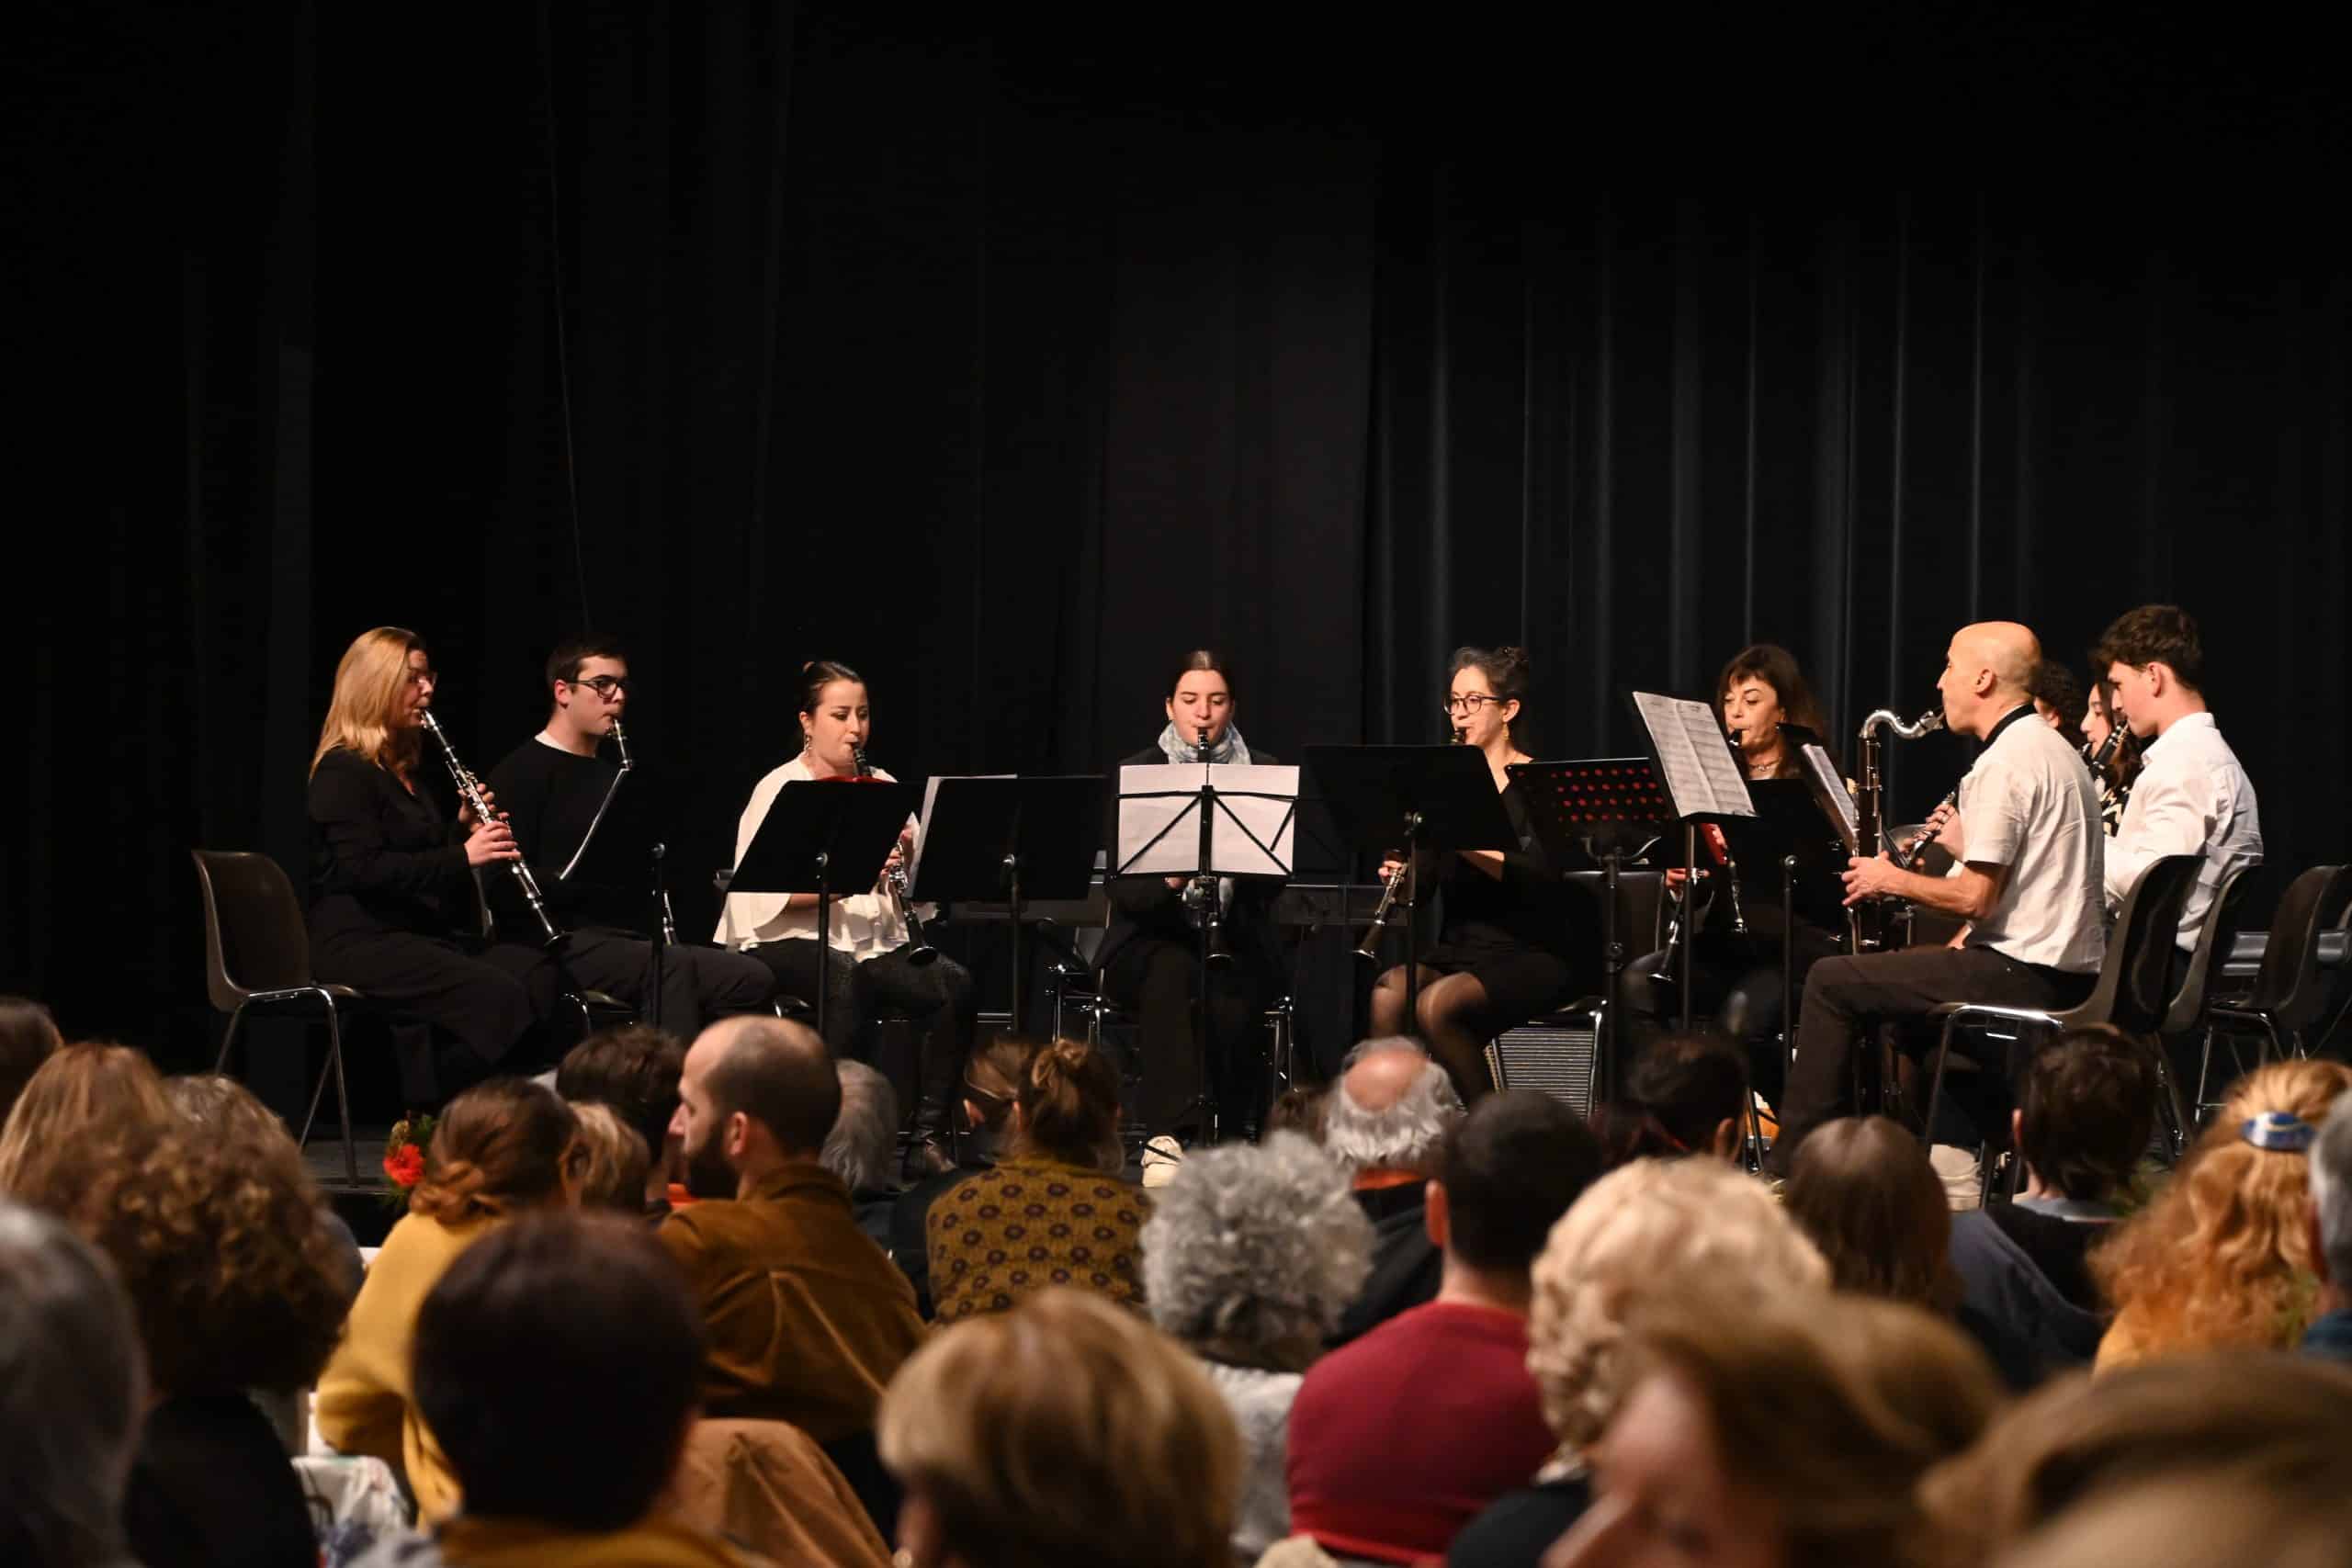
column 2027, row 847
column 2192, row 795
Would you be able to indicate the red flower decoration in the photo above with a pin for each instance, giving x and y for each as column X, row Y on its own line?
column 405, row 1165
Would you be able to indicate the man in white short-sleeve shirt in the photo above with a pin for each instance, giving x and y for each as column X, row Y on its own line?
column 2191, row 794
column 2027, row 848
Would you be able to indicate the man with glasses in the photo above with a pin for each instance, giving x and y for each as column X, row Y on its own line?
column 554, row 789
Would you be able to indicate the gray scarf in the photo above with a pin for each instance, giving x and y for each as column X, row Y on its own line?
column 1230, row 747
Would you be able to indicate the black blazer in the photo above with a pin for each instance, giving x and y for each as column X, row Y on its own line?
column 1146, row 906
column 382, row 859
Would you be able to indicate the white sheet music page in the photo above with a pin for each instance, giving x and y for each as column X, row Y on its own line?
column 1160, row 806
column 1830, row 789
column 1701, row 777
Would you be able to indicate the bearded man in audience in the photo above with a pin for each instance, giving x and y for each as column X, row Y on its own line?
column 1399, row 1439
column 1385, row 1123
column 807, row 1318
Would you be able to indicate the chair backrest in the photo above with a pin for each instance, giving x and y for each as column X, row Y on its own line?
column 2289, row 987
column 2223, row 922
column 255, row 939
column 2136, row 984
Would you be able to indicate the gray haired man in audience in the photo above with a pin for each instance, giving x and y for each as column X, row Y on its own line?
column 1385, row 1123
column 859, row 1148
column 71, row 1388
column 2330, row 1334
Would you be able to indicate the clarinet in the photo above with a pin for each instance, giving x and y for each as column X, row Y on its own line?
column 660, row 887
column 894, row 880
column 1202, row 895
column 1910, row 853
column 469, row 790
column 1366, row 949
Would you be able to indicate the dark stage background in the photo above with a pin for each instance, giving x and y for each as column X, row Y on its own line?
column 1006, row 360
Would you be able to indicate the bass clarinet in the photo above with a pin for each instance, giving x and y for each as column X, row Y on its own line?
column 469, row 791
column 1868, row 917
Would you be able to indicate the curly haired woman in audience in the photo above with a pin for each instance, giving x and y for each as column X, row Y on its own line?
column 2222, row 1256
column 1629, row 1237
column 1065, row 1430
column 1249, row 1257
column 501, row 1147
column 79, row 1090
column 237, row 1287
column 1054, row 1211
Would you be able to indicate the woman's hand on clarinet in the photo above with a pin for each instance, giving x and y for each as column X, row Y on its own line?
column 491, row 842
column 466, row 817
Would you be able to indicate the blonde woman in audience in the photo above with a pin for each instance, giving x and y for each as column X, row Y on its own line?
column 79, row 1089
column 1782, row 1431
column 1054, row 1211
column 1064, row 1432
column 1249, row 1258
column 2222, row 1256
column 1633, row 1232
column 501, row 1148
column 2264, row 1418
column 613, row 1160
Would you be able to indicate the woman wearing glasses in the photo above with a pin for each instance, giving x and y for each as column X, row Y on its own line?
column 392, row 911
column 1151, row 957
column 875, row 966
column 1515, row 940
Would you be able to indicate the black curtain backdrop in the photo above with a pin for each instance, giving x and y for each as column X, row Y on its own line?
column 1005, row 361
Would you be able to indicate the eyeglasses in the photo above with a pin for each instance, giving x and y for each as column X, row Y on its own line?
column 1470, row 703
column 605, row 685
column 423, row 677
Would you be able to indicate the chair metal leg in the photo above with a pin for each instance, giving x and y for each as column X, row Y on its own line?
column 2170, row 1116
column 2204, row 1071
column 1936, row 1085
column 341, row 1094
column 228, row 1039
column 318, row 1093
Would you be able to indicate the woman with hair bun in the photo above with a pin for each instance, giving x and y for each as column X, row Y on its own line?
column 1054, row 1211
column 501, row 1148
column 873, row 961
column 1516, row 940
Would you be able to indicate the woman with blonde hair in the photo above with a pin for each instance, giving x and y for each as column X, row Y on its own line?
column 2222, row 1256
column 79, row 1092
column 1054, row 1211
column 1065, row 1431
column 502, row 1147
column 393, row 909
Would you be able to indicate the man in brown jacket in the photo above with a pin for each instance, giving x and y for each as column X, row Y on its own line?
column 805, row 1317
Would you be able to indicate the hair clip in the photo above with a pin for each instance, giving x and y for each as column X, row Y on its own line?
column 2280, row 1132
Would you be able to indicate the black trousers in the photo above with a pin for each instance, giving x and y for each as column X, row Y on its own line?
column 698, row 983
column 1735, row 989
column 480, row 999
column 1843, row 995
column 1157, row 979
column 937, row 996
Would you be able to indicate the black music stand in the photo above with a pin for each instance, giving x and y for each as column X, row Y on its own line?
column 820, row 837
column 1703, row 782
column 621, row 842
column 1423, row 797
column 1002, row 840
column 1599, row 806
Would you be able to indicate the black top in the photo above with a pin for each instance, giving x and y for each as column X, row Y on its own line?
column 381, row 858
column 908, row 1244
column 212, row 1487
column 1528, row 906
column 550, row 797
column 1146, row 906
column 1406, row 1267
column 1518, row 1527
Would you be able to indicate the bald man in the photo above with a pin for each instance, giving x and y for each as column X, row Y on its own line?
column 2027, row 846
column 1385, row 1123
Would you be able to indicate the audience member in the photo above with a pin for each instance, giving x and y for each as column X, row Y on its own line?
column 556, row 1363
column 1385, row 1123
column 79, row 1091
column 501, row 1148
column 2196, row 1521
column 225, row 1111
column 1687, row 1095
column 71, row 1392
column 2222, row 1255
column 2262, row 1418
column 1398, row 1440
column 2330, row 1334
column 1063, row 1431
column 613, row 1160
column 237, row 1287
column 860, row 1147
column 1862, row 1189
column 805, row 1319
column 28, row 1035
column 1638, row 1229
column 1297, row 1109
column 1249, row 1258
column 1790, row 1428
column 993, row 1076
column 2086, row 1108
column 635, row 1070
column 1053, row 1211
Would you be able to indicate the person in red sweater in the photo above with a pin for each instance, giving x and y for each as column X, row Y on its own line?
column 1401, row 1437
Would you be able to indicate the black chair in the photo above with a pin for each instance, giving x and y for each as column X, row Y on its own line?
column 2135, row 985
column 2289, row 992
column 2193, row 1002
column 257, row 953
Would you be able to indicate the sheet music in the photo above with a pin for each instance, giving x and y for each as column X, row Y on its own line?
column 1159, row 829
column 1830, row 793
column 1701, row 777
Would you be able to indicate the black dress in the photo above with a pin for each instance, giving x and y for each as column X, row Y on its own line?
column 211, row 1487
column 1150, row 965
column 1531, row 940
column 392, row 914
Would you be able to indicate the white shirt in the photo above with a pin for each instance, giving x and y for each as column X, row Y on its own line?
column 2029, row 805
column 864, row 925
column 2192, row 795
